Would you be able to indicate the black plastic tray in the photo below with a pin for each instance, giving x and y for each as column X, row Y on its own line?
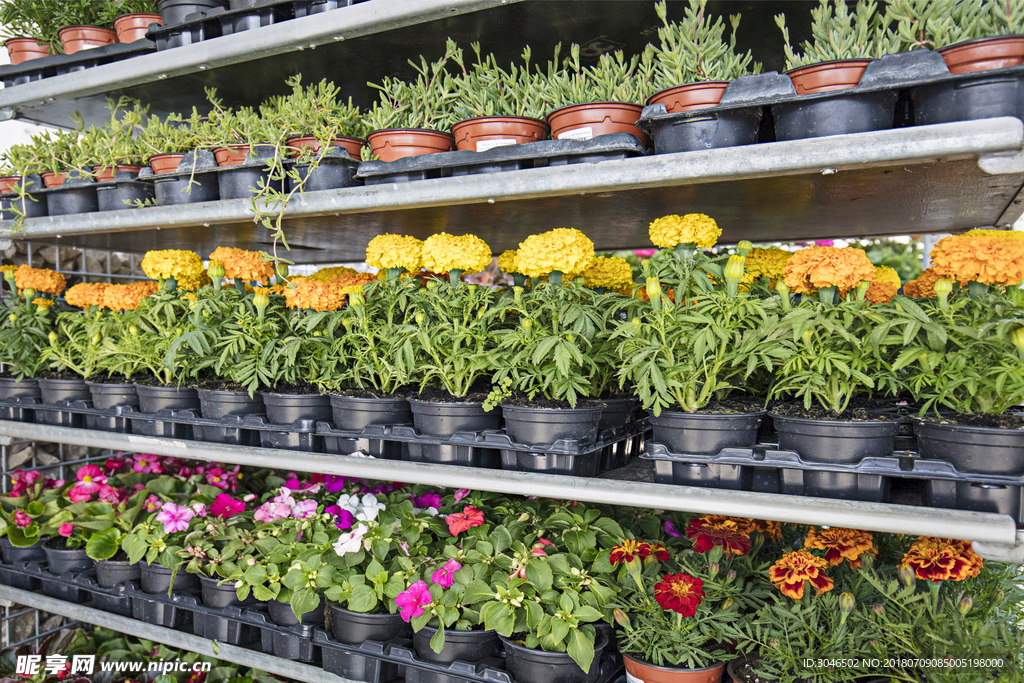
column 78, row 587
column 161, row 610
column 87, row 196
column 290, row 642
column 55, row 65
column 508, row 158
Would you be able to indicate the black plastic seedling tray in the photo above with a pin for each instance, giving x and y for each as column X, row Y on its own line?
column 79, row 587
column 508, row 158
column 290, row 642
column 56, row 65
column 160, row 609
column 82, row 195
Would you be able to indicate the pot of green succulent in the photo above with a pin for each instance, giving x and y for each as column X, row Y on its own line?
column 165, row 141
column 134, row 26
column 24, row 49
column 30, row 28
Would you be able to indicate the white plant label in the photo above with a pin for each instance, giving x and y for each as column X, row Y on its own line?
column 484, row 145
column 584, row 133
column 629, row 677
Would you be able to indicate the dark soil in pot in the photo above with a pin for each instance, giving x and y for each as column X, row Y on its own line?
column 286, row 408
column 356, row 627
column 399, row 143
column 642, row 670
column 154, row 398
column 442, row 418
column 355, row 413
column 218, row 595
column 18, row 388
column 281, row 613
column 537, row 666
column 11, row 553
column 55, row 390
column 157, row 579
column 459, row 646
column 117, row 571
column 972, row 448
column 107, row 395
column 537, row 425
column 61, row 559
column 216, row 404
column 820, row 436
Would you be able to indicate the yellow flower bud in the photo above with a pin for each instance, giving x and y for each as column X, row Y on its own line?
column 527, row 324
column 653, row 288
column 419, row 318
column 12, row 317
column 96, row 338
column 943, row 286
column 1017, row 337
column 52, row 337
column 734, row 268
column 744, row 247
column 216, row 270
column 261, row 297
column 635, row 321
column 133, row 330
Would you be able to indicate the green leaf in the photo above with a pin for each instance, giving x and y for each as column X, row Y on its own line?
column 581, row 648
column 363, row 599
column 539, row 574
column 103, row 545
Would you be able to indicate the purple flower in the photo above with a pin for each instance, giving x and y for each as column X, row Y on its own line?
column 427, row 500
column 334, row 483
column 343, row 519
column 174, row 517
column 670, row 529
column 414, row 600
column 444, row 577
column 824, row 243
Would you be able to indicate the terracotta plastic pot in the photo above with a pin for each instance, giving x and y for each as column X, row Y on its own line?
column 487, row 132
column 398, row 143
column 7, row 184
column 838, row 75
column 232, row 155
column 132, row 27
column 24, row 49
column 984, row 54
column 51, row 179
column 77, row 38
column 690, row 96
column 165, row 163
column 587, row 121
column 354, row 146
column 639, row 670
column 105, row 175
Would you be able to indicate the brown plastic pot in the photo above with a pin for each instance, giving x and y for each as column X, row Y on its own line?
column 649, row 673
column 232, row 155
column 691, row 96
column 23, row 49
column 7, row 184
column 354, row 146
column 587, row 121
column 487, row 132
column 165, row 163
column 106, row 175
column 51, row 179
column 984, row 54
column 77, row 38
column 398, row 143
column 838, row 75
column 132, row 27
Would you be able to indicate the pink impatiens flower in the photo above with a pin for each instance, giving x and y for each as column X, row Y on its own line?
column 670, row 529
column 461, row 493
column 445, row 575
column 413, row 601
column 225, row 506
column 304, row 509
column 174, row 517
column 198, row 509
column 21, row 518
column 343, row 519
column 66, row 529
column 147, row 464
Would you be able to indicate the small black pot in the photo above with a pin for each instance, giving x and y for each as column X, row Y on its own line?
column 152, row 399
column 223, row 595
column 459, row 646
column 547, row 425
column 968, row 100
column 110, row 573
column 284, row 409
column 56, row 390
column 863, row 113
column 237, row 183
column 176, row 191
column 113, row 197
column 354, row 628
column 836, row 441
column 281, row 613
column 60, row 561
column 106, row 396
column 15, row 388
column 31, row 209
column 976, row 450
column 175, row 11
column 444, row 419
column 156, row 579
column 354, row 414
column 616, row 413
column 538, row 666
column 12, row 553
column 330, row 174
column 216, row 404
column 708, row 130
column 699, row 434
column 70, row 200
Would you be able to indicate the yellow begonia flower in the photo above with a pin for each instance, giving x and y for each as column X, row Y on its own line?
column 443, row 253
column 697, row 229
column 812, row 268
column 565, row 250
column 175, row 263
column 610, row 272
column 86, row 294
column 507, row 262
column 244, row 265
column 395, row 251
column 41, row 280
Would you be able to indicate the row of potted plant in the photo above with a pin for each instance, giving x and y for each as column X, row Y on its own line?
column 554, row 583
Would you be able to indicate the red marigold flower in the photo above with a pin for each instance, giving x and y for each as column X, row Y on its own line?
column 792, row 570
column 680, row 593
column 711, row 530
column 841, row 544
column 657, row 551
column 629, row 551
column 943, row 559
column 465, row 520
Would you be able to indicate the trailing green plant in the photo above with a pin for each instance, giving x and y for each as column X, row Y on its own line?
column 116, row 143
column 425, row 102
column 486, row 89
column 838, row 33
column 314, row 110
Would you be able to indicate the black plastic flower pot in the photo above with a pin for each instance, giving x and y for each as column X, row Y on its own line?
column 33, row 206
column 975, row 450
column 353, row 628
column 444, row 419
column 219, row 595
column 968, row 100
column 836, row 441
column 351, row 413
column 175, row 11
column 329, row 174
column 284, row 409
column 571, row 464
column 216, row 404
column 242, row 183
column 452, row 454
column 863, row 113
column 616, row 413
column 152, row 399
column 700, row 434
column 105, row 396
column 709, row 130
column 56, row 390
column 11, row 553
column 123, row 196
column 63, row 560
column 157, row 579
column 548, row 425
column 459, row 646
column 68, row 201
column 110, row 573
column 281, row 613
column 176, row 191
column 15, row 388
column 538, row 666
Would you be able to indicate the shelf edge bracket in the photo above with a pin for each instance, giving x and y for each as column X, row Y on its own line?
column 1002, row 553
column 1001, row 163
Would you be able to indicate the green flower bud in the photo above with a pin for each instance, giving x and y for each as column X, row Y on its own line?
column 997, row 597
column 52, row 337
column 735, row 267
column 12, row 317
column 878, row 609
column 965, row 605
column 1017, row 337
column 744, row 247
column 419, row 318
column 905, row 575
column 621, row 618
column 847, row 602
column 133, row 330
column 943, row 286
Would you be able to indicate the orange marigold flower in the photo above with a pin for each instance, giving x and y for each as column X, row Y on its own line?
column 841, row 544
column 311, row 294
column 711, row 530
column 793, row 570
column 988, row 260
column 943, row 559
column 42, row 280
column 768, row 529
column 812, row 268
column 244, row 265
column 128, row 297
column 924, row 286
column 86, row 294
column 881, row 292
column 628, row 551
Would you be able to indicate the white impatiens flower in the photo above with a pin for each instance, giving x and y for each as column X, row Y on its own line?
column 348, row 502
column 370, row 508
column 350, row 542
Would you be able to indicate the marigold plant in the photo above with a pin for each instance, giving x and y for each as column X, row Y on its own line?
column 193, row 283
column 128, row 297
column 507, row 262
column 697, row 229
column 769, row 263
column 240, row 264
column 816, row 268
column 986, row 260
column 333, row 273
column 562, row 250
column 924, row 286
column 444, row 253
column 883, row 286
column 841, row 544
column 395, row 251
column 310, row 294
column 86, row 294
column 42, row 280
column 794, row 570
column 943, row 559
column 714, row 530
column 610, row 272
column 176, row 263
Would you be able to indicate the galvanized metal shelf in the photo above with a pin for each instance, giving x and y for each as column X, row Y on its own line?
column 995, row 536
column 177, row 639
column 938, row 178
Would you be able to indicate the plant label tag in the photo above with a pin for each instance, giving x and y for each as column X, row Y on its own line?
column 584, row 133
column 90, row 47
column 629, row 677
column 485, row 145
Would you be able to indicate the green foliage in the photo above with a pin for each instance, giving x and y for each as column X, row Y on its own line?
column 314, row 110
column 425, row 102
column 918, row 24
column 24, row 337
column 486, row 89
column 43, row 19
column 904, row 258
column 838, row 33
column 612, row 79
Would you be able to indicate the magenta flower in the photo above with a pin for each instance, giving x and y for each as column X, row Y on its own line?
column 218, row 477
column 304, row 509
column 108, row 494
column 77, row 495
column 645, row 253
column 21, row 518
column 113, row 465
column 147, row 464
column 413, row 601
column 824, row 243
column 174, row 517
column 53, row 484
column 90, row 479
column 185, row 472
column 233, row 476
column 335, row 483
column 22, row 480
column 445, row 575
column 670, row 529
column 225, row 506
column 461, row 493
column 343, row 519
column 198, row 509
column 427, row 500
column 153, row 503
column 66, row 529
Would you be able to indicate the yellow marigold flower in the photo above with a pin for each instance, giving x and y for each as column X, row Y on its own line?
column 86, row 294
column 311, row 294
column 884, row 285
column 43, row 303
column 8, row 269
column 566, row 250
column 924, row 286
column 988, row 260
column 769, row 263
column 610, row 272
column 333, row 273
column 443, row 253
column 244, row 265
column 395, row 251
column 697, row 229
column 507, row 262
column 815, row 267
column 40, row 279
column 841, row 544
column 176, row 263
column 128, row 297
column 943, row 559
column 195, row 283
column 1002, row 234
column 190, row 296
